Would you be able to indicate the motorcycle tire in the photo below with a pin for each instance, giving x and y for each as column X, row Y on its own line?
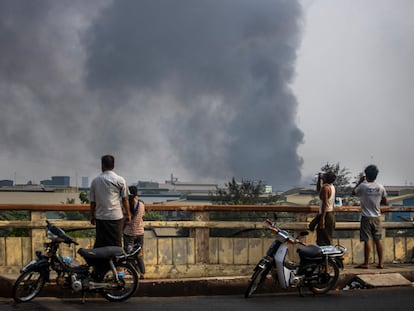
column 28, row 285
column 127, row 285
column 258, row 278
column 326, row 279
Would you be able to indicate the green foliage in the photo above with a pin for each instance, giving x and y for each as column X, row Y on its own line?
column 81, row 233
column 17, row 232
column 342, row 184
column 343, row 179
column 244, row 193
column 153, row 215
column 73, row 215
column 15, row 215
column 247, row 192
column 83, row 197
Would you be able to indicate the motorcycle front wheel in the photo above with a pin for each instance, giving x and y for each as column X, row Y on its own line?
column 258, row 278
column 28, row 285
column 127, row 285
column 324, row 278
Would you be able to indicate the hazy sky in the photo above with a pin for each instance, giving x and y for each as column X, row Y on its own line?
column 206, row 90
column 355, row 87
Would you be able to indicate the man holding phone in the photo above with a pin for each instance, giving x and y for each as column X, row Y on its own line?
column 372, row 195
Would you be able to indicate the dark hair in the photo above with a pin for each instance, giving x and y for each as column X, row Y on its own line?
column 133, row 190
column 108, row 162
column 330, row 177
column 371, row 172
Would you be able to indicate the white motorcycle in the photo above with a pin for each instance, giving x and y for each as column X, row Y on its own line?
column 317, row 270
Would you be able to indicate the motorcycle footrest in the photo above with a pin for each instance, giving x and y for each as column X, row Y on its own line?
column 291, row 265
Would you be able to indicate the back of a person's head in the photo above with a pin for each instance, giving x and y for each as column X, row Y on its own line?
column 108, row 162
column 371, row 172
column 133, row 190
column 330, row 177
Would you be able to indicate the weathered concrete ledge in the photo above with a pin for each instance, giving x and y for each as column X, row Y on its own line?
column 233, row 285
column 199, row 254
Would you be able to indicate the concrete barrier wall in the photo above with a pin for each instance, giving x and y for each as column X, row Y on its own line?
column 175, row 257
column 198, row 255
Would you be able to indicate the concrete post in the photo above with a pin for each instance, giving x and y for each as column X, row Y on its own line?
column 38, row 231
column 201, row 237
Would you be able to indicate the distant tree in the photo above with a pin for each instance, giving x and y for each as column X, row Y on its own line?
column 14, row 215
column 74, row 215
column 245, row 192
column 83, row 197
column 70, row 200
column 343, row 180
column 342, row 183
column 153, row 215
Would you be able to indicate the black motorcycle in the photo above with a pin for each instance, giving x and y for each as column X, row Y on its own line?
column 107, row 271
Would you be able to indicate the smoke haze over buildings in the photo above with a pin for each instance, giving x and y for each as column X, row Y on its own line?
column 206, row 90
column 200, row 89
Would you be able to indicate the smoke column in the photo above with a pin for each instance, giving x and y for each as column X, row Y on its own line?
column 200, row 89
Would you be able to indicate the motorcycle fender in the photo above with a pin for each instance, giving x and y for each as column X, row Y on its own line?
column 339, row 262
column 283, row 273
column 36, row 265
column 263, row 263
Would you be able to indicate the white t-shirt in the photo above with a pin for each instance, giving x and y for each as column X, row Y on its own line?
column 370, row 194
column 106, row 191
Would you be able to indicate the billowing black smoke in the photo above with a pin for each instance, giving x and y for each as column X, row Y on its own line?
column 195, row 88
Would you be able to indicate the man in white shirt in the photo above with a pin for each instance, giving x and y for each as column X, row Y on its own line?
column 372, row 195
column 108, row 203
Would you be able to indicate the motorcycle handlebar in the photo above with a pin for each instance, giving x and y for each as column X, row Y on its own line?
column 60, row 233
column 275, row 229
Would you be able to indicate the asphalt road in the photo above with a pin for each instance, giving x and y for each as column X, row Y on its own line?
column 378, row 299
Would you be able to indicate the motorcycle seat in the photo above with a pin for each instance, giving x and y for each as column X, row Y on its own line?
column 105, row 252
column 310, row 251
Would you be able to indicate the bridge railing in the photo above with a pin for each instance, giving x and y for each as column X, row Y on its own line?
column 199, row 253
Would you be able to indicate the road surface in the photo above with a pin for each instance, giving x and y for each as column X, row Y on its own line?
column 378, row 299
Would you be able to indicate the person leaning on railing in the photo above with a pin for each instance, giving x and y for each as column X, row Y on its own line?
column 134, row 230
column 326, row 226
column 109, row 200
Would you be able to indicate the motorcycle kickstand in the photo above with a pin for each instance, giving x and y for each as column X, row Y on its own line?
column 83, row 297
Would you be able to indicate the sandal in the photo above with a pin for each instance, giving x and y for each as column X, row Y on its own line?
column 362, row 266
column 380, row 267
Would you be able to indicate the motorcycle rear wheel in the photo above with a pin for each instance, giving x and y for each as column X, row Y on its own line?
column 28, row 285
column 128, row 283
column 326, row 279
column 258, row 278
